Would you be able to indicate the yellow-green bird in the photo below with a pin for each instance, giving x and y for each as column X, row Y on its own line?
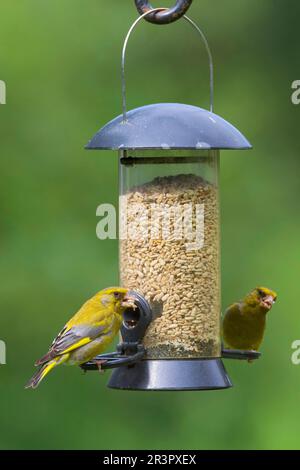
column 244, row 322
column 88, row 333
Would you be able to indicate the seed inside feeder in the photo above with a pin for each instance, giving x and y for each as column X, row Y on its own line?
column 178, row 275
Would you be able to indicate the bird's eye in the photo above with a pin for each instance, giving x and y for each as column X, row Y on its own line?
column 261, row 293
column 117, row 295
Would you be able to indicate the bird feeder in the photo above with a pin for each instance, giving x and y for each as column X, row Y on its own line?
column 170, row 235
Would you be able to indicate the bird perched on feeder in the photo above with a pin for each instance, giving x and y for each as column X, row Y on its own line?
column 244, row 322
column 88, row 333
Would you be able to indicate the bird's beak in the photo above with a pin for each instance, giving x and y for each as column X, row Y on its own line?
column 268, row 301
column 129, row 302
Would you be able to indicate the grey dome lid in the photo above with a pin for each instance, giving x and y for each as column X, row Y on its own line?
column 169, row 126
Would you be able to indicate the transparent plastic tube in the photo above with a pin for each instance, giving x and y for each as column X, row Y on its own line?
column 169, row 247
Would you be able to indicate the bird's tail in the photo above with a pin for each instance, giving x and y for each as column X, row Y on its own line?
column 41, row 373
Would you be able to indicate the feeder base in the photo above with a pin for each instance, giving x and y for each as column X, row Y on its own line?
column 170, row 374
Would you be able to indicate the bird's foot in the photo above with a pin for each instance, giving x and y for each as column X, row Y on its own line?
column 99, row 364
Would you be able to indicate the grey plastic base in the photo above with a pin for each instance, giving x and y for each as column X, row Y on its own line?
column 185, row 374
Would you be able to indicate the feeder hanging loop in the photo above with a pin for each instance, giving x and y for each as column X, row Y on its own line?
column 200, row 33
column 166, row 15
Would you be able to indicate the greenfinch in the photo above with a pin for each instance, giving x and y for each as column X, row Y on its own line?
column 244, row 322
column 88, row 333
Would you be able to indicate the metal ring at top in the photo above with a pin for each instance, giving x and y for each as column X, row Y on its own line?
column 166, row 15
column 201, row 34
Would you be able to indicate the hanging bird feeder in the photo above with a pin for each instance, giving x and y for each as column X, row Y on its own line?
column 170, row 235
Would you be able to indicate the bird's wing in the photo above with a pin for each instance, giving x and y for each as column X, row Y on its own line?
column 230, row 316
column 71, row 338
column 234, row 309
column 231, row 325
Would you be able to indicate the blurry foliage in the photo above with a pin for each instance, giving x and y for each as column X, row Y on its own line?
column 61, row 63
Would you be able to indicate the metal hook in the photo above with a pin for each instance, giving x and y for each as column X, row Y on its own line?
column 165, row 15
column 203, row 37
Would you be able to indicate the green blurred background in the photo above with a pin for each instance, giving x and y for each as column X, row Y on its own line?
column 61, row 63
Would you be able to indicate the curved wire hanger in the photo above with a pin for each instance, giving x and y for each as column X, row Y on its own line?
column 198, row 30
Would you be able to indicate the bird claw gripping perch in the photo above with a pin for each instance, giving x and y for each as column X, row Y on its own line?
column 131, row 350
